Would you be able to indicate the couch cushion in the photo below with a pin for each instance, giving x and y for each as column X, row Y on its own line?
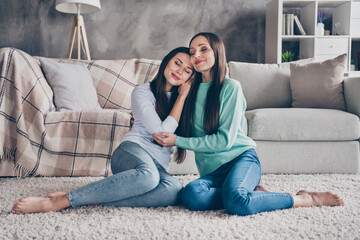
column 319, row 85
column 72, row 86
column 301, row 124
column 264, row 85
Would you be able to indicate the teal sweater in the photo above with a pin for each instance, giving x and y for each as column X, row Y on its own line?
column 212, row 151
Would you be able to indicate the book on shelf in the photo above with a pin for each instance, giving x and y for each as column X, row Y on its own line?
column 283, row 23
column 288, row 24
column 298, row 24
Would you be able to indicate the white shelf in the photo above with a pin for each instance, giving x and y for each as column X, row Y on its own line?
column 296, row 3
column 334, row 36
column 352, row 74
column 331, row 4
column 344, row 21
column 296, row 37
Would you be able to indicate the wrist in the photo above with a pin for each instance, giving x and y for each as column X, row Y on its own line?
column 182, row 97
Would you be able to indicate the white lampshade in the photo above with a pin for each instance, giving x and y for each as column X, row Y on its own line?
column 69, row 6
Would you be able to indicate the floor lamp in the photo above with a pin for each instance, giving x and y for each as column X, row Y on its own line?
column 77, row 7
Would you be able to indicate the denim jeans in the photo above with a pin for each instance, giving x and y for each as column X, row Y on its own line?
column 232, row 186
column 137, row 181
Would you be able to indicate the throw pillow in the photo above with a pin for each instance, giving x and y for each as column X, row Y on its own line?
column 318, row 84
column 264, row 85
column 72, row 86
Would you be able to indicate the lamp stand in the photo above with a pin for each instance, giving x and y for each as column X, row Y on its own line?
column 79, row 27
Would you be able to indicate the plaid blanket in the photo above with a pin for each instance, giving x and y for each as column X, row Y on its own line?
column 44, row 142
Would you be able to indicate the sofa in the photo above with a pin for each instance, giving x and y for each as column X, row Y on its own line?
column 289, row 140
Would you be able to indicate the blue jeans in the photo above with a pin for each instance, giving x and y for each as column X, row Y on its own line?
column 137, row 181
column 232, row 186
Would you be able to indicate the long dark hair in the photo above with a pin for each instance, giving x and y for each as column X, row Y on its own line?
column 212, row 104
column 163, row 106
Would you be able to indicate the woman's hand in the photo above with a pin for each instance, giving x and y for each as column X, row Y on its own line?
column 165, row 139
column 184, row 88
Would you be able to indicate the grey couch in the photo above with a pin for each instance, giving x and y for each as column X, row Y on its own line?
column 295, row 140
column 289, row 140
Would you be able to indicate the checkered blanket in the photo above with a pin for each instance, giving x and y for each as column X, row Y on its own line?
column 42, row 141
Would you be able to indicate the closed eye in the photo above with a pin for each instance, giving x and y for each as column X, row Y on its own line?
column 189, row 70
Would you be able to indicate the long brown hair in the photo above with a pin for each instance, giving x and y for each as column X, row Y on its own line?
column 212, row 103
column 163, row 106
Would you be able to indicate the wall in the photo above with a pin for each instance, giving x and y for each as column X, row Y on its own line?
column 136, row 28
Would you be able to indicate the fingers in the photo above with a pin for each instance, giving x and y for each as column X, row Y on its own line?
column 159, row 140
column 156, row 139
column 162, row 138
column 165, row 134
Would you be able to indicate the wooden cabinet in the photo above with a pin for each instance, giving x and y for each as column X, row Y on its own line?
column 343, row 22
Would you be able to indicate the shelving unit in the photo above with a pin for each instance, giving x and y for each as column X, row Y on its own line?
column 343, row 23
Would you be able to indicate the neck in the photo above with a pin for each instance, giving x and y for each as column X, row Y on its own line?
column 168, row 87
column 206, row 76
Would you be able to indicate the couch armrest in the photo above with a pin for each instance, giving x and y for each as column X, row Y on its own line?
column 352, row 94
column 25, row 79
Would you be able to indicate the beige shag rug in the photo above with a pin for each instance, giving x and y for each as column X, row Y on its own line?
column 94, row 222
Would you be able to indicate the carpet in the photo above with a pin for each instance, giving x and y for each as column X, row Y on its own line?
column 95, row 222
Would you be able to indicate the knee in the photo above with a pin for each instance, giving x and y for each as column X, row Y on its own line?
column 173, row 190
column 150, row 176
column 191, row 196
column 175, row 185
column 237, row 202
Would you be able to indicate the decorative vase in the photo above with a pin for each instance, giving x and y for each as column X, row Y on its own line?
column 320, row 29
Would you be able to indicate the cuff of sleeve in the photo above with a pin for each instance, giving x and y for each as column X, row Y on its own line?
column 179, row 141
column 170, row 124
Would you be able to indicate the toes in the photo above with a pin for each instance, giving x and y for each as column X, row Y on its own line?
column 302, row 192
column 339, row 200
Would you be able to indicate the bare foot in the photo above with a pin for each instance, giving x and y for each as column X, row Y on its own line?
column 261, row 188
column 55, row 194
column 309, row 199
column 37, row 205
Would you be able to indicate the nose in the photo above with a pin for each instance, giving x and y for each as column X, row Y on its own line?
column 197, row 54
column 180, row 70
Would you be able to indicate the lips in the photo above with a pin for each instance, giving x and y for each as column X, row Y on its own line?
column 175, row 77
column 197, row 62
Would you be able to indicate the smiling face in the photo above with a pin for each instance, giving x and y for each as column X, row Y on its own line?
column 202, row 55
column 178, row 70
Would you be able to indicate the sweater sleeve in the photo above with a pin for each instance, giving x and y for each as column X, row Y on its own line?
column 143, row 104
column 232, row 107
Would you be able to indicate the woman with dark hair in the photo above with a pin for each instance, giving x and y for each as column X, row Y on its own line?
column 225, row 157
column 138, row 164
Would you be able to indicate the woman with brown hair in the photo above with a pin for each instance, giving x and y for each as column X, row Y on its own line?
column 138, row 164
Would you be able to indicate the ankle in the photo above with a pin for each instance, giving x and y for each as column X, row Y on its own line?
column 61, row 202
